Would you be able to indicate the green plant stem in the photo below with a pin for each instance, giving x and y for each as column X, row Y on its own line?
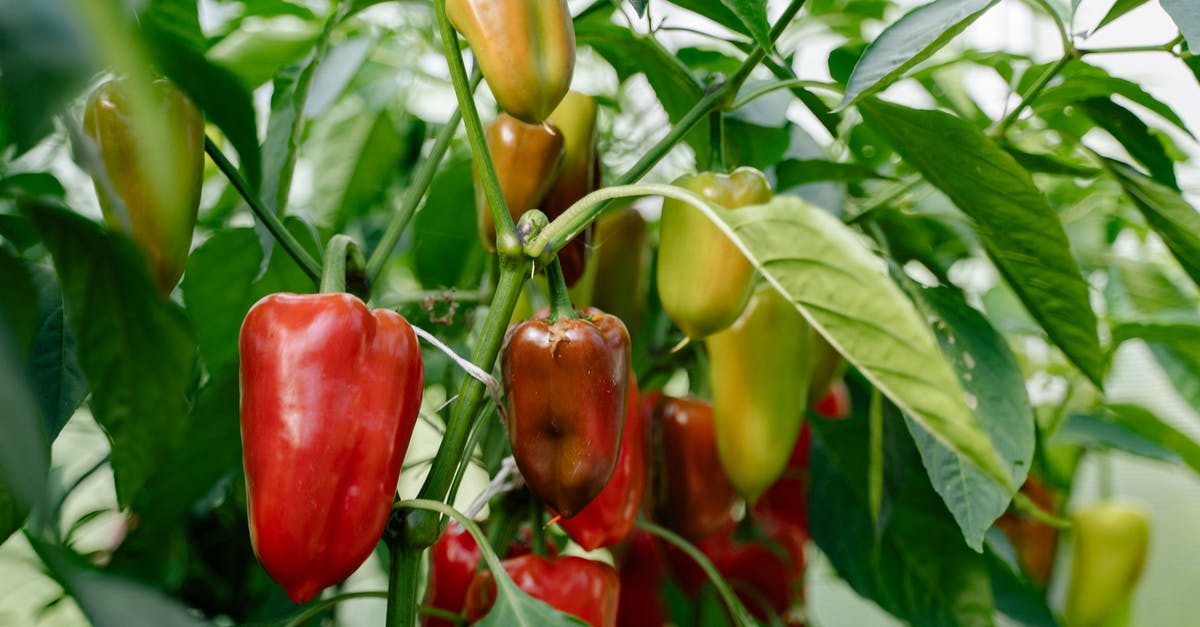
column 402, row 586
column 735, row 607
column 480, row 154
column 266, row 218
column 1027, row 506
column 759, row 92
column 550, row 241
column 716, row 138
column 537, row 533
column 1062, row 28
column 1167, row 47
column 420, row 528
column 875, row 463
column 342, row 256
column 316, row 609
column 900, row 189
column 412, row 198
column 1034, row 91
column 560, row 300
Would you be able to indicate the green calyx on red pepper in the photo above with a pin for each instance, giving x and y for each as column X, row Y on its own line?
column 525, row 49
column 566, row 384
column 527, row 158
column 152, row 146
column 704, row 281
column 330, row 392
column 759, row 369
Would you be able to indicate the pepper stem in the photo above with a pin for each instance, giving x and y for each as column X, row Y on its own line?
column 344, row 264
column 560, row 300
column 537, row 533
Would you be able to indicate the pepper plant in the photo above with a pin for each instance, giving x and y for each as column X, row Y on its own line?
column 876, row 317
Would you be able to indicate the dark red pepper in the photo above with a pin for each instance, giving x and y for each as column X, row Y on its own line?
column 836, row 404
column 573, row 585
column 608, row 519
column 453, row 561
column 566, row 386
column 329, row 396
column 643, row 573
column 691, row 494
column 786, row 501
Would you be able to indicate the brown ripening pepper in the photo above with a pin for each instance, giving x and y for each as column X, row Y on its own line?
column 527, row 158
column 620, row 259
column 525, row 49
column 579, row 176
column 690, row 491
column 566, row 384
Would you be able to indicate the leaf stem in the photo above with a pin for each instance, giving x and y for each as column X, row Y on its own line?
column 480, row 154
column 1058, row 24
column 1034, row 91
column 735, row 607
column 343, row 258
column 1027, row 506
column 767, row 88
column 265, row 217
column 1167, row 47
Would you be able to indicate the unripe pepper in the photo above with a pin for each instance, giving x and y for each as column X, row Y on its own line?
column 579, row 176
column 527, row 158
column 157, row 178
column 704, row 281
column 609, row 518
column 691, row 494
column 584, row 588
column 620, row 259
column 754, row 366
column 1111, row 541
column 329, row 396
column 566, row 385
column 525, row 49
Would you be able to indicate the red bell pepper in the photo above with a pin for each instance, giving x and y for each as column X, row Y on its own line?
column 836, row 404
column 691, row 494
column 566, row 385
column 608, row 519
column 329, row 396
column 573, row 585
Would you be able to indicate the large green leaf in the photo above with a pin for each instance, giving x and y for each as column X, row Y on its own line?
column 1098, row 430
column 447, row 240
column 172, row 30
column 1119, row 8
column 914, row 564
column 261, row 46
column 990, row 374
column 1167, row 212
column 912, row 39
column 840, row 287
column 743, row 16
column 1017, row 598
column 1149, row 426
column 1180, row 359
column 1187, row 16
column 1082, row 81
column 1015, row 222
column 24, row 451
column 795, row 172
column 1132, row 133
column 135, row 348
column 61, row 385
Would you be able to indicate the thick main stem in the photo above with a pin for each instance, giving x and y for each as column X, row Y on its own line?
column 402, row 591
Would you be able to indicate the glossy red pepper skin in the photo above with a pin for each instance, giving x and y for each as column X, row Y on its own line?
column 643, row 573
column 573, row 585
column 526, row 158
column 566, row 385
column 1036, row 542
column 691, row 494
column 453, row 561
column 836, row 404
column 609, row 518
column 329, row 396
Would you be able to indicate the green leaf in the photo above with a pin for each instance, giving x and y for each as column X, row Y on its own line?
column 1186, row 15
column 360, row 154
column 639, row 6
column 839, row 286
column 18, row 301
column 1016, row 224
column 631, row 54
column 24, row 451
column 47, row 59
column 1119, row 8
column 912, row 39
column 793, row 172
column 914, row 564
column 1149, row 426
column 447, row 240
column 1102, row 432
column 754, row 145
column 1046, row 163
column 1082, row 81
column 990, row 374
column 110, row 601
column 172, row 32
column 61, row 385
column 1180, row 359
column 1132, row 133
column 135, row 348
column 261, row 46
column 753, row 15
column 1167, row 212
column 1016, row 596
